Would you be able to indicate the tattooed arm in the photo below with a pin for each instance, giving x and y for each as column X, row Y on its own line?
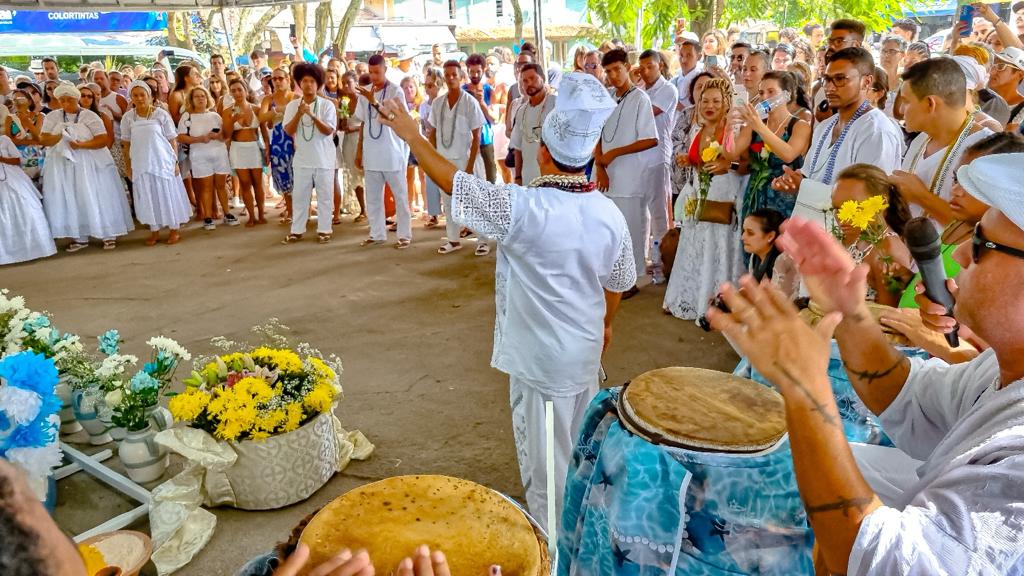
column 877, row 370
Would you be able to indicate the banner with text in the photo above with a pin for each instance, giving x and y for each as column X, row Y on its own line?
column 33, row 21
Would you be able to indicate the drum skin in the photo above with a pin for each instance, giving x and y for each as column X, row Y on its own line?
column 473, row 525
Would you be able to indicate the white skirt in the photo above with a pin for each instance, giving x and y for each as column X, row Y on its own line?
column 206, row 161
column 24, row 232
column 246, row 155
column 160, row 202
column 85, row 198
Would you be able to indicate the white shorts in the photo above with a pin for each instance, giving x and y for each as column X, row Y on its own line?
column 246, row 156
column 206, row 162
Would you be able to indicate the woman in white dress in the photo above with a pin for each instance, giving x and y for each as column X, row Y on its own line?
column 709, row 248
column 148, row 137
column 200, row 129
column 24, row 232
column 82, row 192
column 241, row 126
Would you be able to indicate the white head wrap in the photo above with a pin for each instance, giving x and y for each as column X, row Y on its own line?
column 571, row 130
column 995, row 180
column 976, row 74
column 140, row 84
column 66, row 89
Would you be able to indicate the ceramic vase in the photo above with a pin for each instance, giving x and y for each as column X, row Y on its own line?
column 68, row 424
column 159, row 417
column 86, row 406
column 143, row 459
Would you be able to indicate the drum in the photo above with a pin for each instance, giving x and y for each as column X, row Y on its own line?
column 684, row 471
column 474, row 526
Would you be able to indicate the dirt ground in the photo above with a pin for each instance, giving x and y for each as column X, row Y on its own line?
column 413, row 328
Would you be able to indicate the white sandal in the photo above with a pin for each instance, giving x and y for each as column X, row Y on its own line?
column 448, row 248
column 483, row 249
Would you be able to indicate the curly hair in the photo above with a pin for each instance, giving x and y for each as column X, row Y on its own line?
column 723, row 86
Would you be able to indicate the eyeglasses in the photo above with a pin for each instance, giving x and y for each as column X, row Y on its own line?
column 590, row 66
column 979, row 244
column 838, row 80
column 840, row 41
column 281, row 78
column 891, row 52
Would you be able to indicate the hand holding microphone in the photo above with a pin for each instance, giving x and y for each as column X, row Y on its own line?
column 935, row 299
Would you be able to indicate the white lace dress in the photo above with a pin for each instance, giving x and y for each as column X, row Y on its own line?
column 160, row 197
column 708, row 254
column 24, row 232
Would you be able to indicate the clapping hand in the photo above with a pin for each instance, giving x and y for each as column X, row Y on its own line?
column 303, row 107
column 366, row 92
column 789, row 181
column 834, row 282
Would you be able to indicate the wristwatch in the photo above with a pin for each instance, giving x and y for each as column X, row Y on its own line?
column 734, row 166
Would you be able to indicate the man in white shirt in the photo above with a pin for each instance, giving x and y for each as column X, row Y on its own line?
column 383, row 157
column 963, row 510
column 658, row 186
column 857, row 134
column 311, row 121
column 689, row 66
column 565, row 258
column 529, row 119
column 620, row 163
column 454, row 130
column 257, row 60
column 935, row 104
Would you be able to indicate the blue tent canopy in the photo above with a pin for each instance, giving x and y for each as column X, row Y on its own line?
column 928, row 8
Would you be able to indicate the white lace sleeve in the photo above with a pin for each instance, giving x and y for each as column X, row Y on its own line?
column 481, row 206
column 623, row 276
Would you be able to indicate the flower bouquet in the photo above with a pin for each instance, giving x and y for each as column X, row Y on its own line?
column 865, row 216
column 28, row 416
column 695, row 205
column 760, row 174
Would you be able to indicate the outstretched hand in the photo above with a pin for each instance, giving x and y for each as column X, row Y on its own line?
column 833, row 280
column 395, row 116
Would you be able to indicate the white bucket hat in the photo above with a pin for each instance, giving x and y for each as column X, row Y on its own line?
column 996, row 181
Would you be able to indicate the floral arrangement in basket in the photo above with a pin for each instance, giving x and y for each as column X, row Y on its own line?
column 259, row 392
column 695, row 204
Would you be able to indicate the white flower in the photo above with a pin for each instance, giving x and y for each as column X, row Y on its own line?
column 114, row 397
column 115, row 364
column 44, row 333
column 20, row 405
column 170, row 346
column 37, row 462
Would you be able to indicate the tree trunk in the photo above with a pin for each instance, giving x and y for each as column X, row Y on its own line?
column 173, row 38
column 517, row 18
column 321, row 17
column 299, row 16
column 247, row 39
column 704, row 14
column 347, row 20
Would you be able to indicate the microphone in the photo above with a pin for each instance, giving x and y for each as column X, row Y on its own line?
column 925, row 247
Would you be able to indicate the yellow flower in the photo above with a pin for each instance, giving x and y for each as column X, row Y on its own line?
column 190, row 405
column 322, row 370
column 848, row 211
column 294, row 417
column 283, row 360
column 320, row 398
column 93, row 559
column 862, row 220
column 709, row 154
column 269, row 421
column 257, row 388
column 257, row 435
column 874, row 205
column 691, row 206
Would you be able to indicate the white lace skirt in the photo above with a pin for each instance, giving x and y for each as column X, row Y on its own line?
column 85, row 198
column 24, row 231
column 160, row 202
column 246, row 155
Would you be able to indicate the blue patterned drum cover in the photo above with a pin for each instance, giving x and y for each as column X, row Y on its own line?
column 636, row 508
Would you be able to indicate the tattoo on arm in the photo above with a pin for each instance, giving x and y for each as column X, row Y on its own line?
column 869, row 376
column 823, row 409
column 842, row 504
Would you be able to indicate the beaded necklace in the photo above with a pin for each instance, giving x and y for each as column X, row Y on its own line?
column 952, row 153
column 830, row 165
column 369, row 115
column 447, row 142
column 618, row 116
column 312, row 123
column 574, row 183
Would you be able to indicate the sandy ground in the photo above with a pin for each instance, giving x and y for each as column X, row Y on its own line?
column 413, row 328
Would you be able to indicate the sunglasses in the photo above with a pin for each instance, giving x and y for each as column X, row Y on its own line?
column 979, row 244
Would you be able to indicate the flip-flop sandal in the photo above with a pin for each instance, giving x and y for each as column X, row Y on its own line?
column 371, row 242
column 465, row 233
column 75, row 247
column 324, row 238
column 448, row 248
column 402, row 244
column 109, row 244
column 392, row 227
column 360, row 218
column 285, row 220
column 336, row 221
column 483, row 249
column 431, row 224
column 291, row 238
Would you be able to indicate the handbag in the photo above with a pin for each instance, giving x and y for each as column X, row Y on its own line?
column 717, row 212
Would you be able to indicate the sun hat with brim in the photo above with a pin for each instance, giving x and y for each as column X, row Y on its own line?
column 1013, row 56
column 996, row 181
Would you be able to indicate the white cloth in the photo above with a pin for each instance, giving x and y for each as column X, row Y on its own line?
column 682, row 82
column 965, row 514
column 245, row 156
column 313, row 148
column 571, row 131
column 383, row 150
column 708, row 254
column 82, row 192
column 889, row 471
column 302, row 193
column 873, row 139
column 526, row 127
column 663, row 96
column 631, row 121
column 634, row 210
column 528, row 428
column 24, row 231
column 657, row 185
column 160, row 197
column 557, row 253
column 454, row 125
column 928, row 165
column 206, row 158
column 373, row 185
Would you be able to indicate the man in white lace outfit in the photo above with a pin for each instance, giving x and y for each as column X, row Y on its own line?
column 564, row 259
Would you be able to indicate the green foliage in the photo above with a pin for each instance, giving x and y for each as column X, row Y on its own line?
column 876, row 14
column 617, row 19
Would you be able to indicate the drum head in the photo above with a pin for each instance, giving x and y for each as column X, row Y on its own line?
column 473, row 525
column 700, row 409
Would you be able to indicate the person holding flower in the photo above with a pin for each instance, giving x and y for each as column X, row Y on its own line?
column 709, row 249
column 779, row 140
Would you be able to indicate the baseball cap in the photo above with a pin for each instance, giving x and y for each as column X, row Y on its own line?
column 688, row 38
column 1013, row 56
column 265, row 71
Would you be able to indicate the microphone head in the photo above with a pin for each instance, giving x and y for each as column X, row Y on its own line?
column 922, row 239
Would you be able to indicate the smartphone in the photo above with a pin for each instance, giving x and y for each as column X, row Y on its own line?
column 712, row 61
column 965, row 23
column 168, row 53
column 215, row 130
column 291, row 30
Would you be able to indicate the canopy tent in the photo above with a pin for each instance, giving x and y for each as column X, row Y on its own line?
column 134, row 5
column 94, row 45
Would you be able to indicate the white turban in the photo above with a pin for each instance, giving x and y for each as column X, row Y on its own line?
column 571, row 130
column 995, row 180
column 977, row 76
column 140, row 84
column 66, row 89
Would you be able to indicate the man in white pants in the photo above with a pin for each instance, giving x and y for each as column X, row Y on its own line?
column 311, row 122
column 663, row 96
column 383, row 157
column 619, row 161
column 454, row 130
